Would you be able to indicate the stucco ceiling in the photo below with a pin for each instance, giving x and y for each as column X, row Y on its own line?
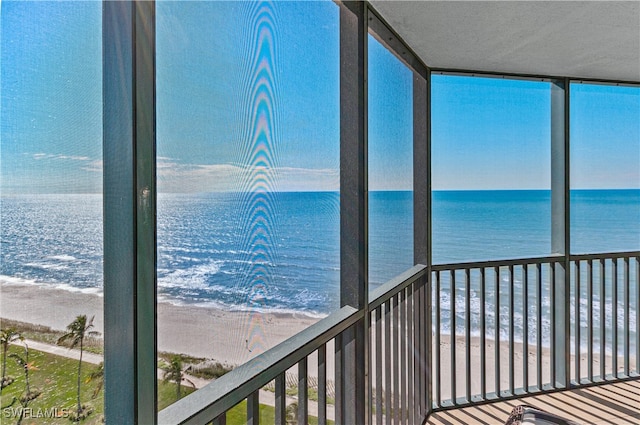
column 581, row 39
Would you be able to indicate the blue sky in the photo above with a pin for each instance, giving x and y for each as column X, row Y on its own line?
column 51, row 107
column 490, row 133
column 251, row 91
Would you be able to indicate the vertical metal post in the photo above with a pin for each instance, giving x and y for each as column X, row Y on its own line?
column 590, row 320
column 388, row 385
column 552, row 320
column 422, row 214
column 539, row 325
column 253, row 408
column 281, row 399
column 129, row 212
column 403, row 356
column 483, row 342
column 436, row 348
column 322, row 386
column 627, row 299
column 354, row 265
column 637, row 306
column 576, row 322
column 378, row 342
column 395, row 369
column 303, row 393
column 614, row 317
column 452, row 340
column 467, row 332
column 496, row 315
column 525, row 327
column 603, row 319
column 421, row 172
column 560, row 242
column 511, row 330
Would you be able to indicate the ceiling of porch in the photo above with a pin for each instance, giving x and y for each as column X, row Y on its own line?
column 579, row 39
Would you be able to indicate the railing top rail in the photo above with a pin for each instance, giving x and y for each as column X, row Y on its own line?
column 204, row 405
column 531, row 260
column 497, row 263
column 383, row 293
column 603, row 256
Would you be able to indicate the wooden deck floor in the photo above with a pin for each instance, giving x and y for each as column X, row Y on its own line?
column 614, row 404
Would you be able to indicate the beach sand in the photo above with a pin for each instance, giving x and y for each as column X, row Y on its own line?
column 235, row 337
column 442, row 389
column 226, row 336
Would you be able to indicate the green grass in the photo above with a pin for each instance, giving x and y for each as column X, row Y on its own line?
column 238, row 415
column 167, row 393
column 56, row 377
column 312, row 394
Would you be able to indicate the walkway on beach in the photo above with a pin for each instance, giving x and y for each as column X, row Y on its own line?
column 62, row 351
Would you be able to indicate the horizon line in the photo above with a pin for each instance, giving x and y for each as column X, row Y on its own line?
column 329, row 191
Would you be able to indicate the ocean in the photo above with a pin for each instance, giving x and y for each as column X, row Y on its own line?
column 282, row 254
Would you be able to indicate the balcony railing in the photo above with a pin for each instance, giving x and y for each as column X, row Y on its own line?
column 520, row 326
column 497, row 331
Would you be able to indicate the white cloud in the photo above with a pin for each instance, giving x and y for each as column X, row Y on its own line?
column 94, row 166
column 38, row 156
column 176, row 177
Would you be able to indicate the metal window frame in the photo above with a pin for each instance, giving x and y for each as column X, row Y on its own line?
column 130, row 201
column 560, row 230
column 352, row 346
column 129, row 130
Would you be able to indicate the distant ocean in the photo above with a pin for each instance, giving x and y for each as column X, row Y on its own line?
column 283, row 255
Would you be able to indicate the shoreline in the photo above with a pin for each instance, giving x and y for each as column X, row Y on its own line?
column 233, row 337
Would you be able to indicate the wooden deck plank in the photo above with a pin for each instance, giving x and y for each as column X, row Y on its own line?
column 610, row 404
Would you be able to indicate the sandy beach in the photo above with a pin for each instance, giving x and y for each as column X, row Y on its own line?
column 235, row 337
column 226, row 336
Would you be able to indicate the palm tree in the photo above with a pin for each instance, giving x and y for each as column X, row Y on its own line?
column 172, row 372
column 24, row 363
column 77, row 331
column 7, row 336
column 29, row 395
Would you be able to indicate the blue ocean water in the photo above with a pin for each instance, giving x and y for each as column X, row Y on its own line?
column 212, row 250
column 284, row 254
